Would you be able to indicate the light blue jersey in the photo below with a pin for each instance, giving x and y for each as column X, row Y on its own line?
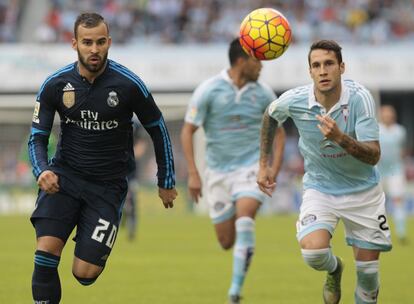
column 328, row 167
column 231, row 118
column 392, row 140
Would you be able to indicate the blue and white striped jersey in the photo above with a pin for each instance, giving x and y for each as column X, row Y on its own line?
column 231, row 119
column 96, row 124
column 328, row 167
column 392, row 140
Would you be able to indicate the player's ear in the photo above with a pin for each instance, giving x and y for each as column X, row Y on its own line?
column 342, row 67
column 109, row 41
column 74, row 44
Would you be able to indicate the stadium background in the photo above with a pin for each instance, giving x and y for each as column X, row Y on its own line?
column 173, row 45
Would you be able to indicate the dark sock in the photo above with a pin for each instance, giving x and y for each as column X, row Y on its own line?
column 45, row 281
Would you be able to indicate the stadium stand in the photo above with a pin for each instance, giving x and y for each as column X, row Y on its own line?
column 212, row 21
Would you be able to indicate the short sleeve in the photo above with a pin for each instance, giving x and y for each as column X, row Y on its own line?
column 45, row 108
column 279, row 108
column 198, row 106
column 366, row 124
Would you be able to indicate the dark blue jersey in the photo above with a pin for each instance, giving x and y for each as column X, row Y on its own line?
column 96, row 124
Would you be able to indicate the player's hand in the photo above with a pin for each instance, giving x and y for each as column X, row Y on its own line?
column 329, row 128
column 266, row 181
column 167, row 196
column 48, row 181
column 194, row 186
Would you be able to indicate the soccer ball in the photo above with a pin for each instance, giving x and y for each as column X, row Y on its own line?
column 265, row 34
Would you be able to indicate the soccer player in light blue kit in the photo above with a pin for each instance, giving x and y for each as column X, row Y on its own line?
column 230, row 107
column 339, row 141
column 391, row 166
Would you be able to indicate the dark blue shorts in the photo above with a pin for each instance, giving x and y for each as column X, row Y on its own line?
column 93, row 207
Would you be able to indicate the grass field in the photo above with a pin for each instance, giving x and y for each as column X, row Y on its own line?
column 176, row 260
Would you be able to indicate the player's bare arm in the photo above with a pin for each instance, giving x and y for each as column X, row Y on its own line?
column 167, row 196
column 269, row 126
column 278, row 149
column 367, row 152
column 194, row 180
column 264, row 180
column 48, row 182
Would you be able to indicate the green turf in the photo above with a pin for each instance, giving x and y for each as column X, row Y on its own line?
column 176, row 260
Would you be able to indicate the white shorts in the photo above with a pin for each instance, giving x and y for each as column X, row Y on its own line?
column 223, row 189
column 394, row 185
column 363, row 214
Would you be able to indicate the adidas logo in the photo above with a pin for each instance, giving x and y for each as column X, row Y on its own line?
column 68, row 87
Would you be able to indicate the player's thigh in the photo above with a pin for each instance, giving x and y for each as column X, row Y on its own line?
column 83, row 269
column 54, row 218
column 318, row 239
column 317, row 213
column 99, row 222
column 365, row 220
column 245, row 191
column 247, row 206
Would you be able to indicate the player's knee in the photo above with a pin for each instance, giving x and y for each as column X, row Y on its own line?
column 316, row 240
column 85, row 281
column 317, row 259
column 86, row 275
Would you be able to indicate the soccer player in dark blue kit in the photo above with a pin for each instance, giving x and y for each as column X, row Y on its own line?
column 85, row 184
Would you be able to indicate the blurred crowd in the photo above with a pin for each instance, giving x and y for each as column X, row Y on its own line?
column 9, row 20
column 215, row 21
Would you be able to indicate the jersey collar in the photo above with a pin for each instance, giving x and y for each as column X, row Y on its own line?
column 226, row 77
column 343, row 100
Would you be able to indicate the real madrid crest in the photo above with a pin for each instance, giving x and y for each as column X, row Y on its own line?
column 68, row 97
column 112, row 99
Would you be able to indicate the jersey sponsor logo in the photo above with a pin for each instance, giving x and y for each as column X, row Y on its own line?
column 112, row 99
column 336, row 155
column 309, row 218
column 68, row 97
column 35, row 117
column 89, row 121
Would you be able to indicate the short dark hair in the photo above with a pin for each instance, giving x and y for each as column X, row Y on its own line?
column 236, row 51
column 88, row 20
column 329, row 45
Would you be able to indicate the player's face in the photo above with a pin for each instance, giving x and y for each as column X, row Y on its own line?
column 92, row 45
column 252, row 68
column 387, row 115
column 325, row 70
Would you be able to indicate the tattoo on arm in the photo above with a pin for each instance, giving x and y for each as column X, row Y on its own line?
column 267, row 135
column 367, row 152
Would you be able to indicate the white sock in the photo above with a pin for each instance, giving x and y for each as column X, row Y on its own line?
column 320, row 259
